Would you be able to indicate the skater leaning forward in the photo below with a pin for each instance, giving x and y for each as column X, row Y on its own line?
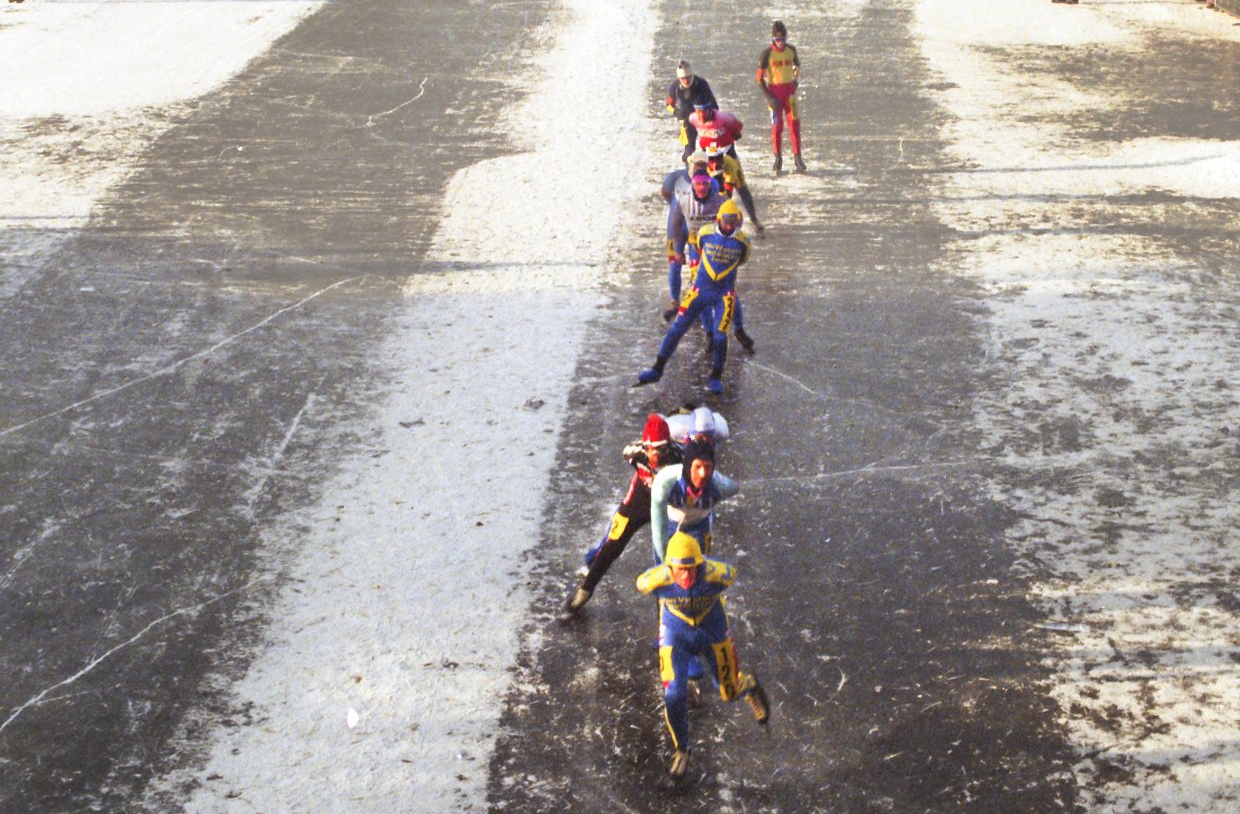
column 685, row 95
column 693, row 625
column 660, row 447
column 683, row 498
column 653, row 452
column 717, row 252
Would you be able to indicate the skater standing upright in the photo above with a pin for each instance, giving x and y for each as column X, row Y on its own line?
column 687, row 91
column 779, row 73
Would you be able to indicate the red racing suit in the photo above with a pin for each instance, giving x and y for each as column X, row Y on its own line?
column 779, row 73
column 721, row 129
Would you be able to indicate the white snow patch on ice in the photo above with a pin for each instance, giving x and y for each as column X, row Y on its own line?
column 408, row 609
column 89, row 86
column 1121, row 359
column 130, row 54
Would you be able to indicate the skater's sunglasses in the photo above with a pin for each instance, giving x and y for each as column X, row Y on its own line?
column 779, row 39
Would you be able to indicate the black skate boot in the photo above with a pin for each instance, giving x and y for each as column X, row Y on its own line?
column 745, row 339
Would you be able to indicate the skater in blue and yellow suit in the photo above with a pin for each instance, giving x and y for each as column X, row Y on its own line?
column 720, row 249
column 693, row 624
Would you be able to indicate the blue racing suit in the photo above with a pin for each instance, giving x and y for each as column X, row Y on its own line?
column 675, row 507
column 717, row 256
column 693, row 625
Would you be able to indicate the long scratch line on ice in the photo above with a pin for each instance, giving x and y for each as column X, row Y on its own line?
column 370, row 120
column 321, row 263
column 938, row 428
column 23, row 554
column 273, row 460
column 292, row 430
column 180, row 362
column 864, row 470
column 785, row 376
column 95, row 662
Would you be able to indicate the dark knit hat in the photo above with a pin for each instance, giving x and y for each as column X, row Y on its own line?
column 696, row 449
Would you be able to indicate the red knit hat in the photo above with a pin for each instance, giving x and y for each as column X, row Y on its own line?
column 656, row 430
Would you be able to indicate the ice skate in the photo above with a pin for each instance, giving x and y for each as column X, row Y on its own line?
column 756, row 698
column 578, row 600
column 680, row 762
column 648, row 376
column 745, row 339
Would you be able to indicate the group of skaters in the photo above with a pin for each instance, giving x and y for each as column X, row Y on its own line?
column 707, row 203
column 674, row 490
column 675, row 487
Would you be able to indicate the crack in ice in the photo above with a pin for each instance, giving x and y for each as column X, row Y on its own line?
column 95, row 662
column 180, row 362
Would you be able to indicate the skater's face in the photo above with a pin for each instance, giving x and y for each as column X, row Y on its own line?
column 684, row 577
column 701, row 186
column 778, row 42
column 654, row 454
column 701, row 471
column 686, row 80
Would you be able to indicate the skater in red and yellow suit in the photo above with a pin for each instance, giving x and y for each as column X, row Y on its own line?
column 694, row 625
column 779, row 73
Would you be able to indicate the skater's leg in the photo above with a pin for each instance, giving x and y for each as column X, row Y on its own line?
column 674, row 671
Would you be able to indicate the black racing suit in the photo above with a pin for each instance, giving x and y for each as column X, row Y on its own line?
column 683, row 100
column 630, row 516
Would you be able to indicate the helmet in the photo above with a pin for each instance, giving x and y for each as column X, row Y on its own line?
column 703, row 422
column 683, row 70
column 713, row 150
column 778, row 29
column 695, row 158
column 683, row 551
column 656, row 430
column 729, row 217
